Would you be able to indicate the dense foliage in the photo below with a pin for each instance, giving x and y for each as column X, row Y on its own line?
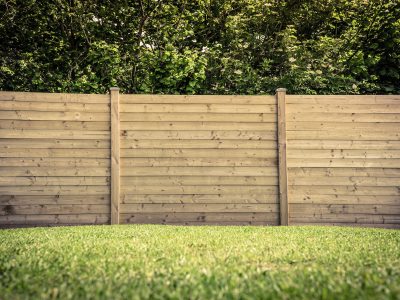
column 203, row 262
column 201, row 46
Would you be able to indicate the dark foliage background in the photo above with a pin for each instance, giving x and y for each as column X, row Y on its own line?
column 201, row 46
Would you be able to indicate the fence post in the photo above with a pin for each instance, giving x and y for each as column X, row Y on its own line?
column 283, row 178
column 115, row 155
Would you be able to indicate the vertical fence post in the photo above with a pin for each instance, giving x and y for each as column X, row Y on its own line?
column 283, row 178
column 115, row 155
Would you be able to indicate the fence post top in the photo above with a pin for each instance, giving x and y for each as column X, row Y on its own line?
column 281, row 90
column 114, row 88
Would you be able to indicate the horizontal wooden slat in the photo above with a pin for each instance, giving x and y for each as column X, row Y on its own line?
column 192, row 99
column 198, row 144
column 200, row 171
column 344, row 108
column 198, row 135
column 345, row 218
column 201, row 153
column 198, row 117
column 199, row 217
column 343, row 99
column 56, row 134
column 199, row 108
column 56, row 116
column 57, row 107
column 375, row 209
column 352, row 116
column 199, row 162
column 54, row 97
column 343, row 199
column 339, row 126
column 54, row 125
column 43, row 181
column 60, row 209
column 53, row 144
column 344, row 190
column 366, row 153
column 356, row 181
column 55, row 219
column 344, row 134
column 197, row 208
column 184, row 190
column 271, row 126
column 54, row 190
column 343, row 144
column 196, row 180
column 54, row 171
column 305, row 222
column 54, row 199
column 344, row 163
column 374, row 172
column 54, row 162
column 200, row 198
column 82, row 153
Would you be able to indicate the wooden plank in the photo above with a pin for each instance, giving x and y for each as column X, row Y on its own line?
column 344, row 163
column 198, row 144
column 236, row 126
column 344, row 144
column 54, row 162
column 344, row 190
column 282, row 169
column 59, row 209
column 54, row 199
column 54, row 125
column 200, row 198
column 41, row 220
column 54, row 116
column 198, row 135
column 198, row 117
column 197, row 99
column 344, row 135
column 45, row 153
column 321, row 172
column 184, row 190
column 54, row 171
column 198, row 108
column 47, row 106
column 115, row 155
column 53, row 97
column 373, row 117
column 56, row 134
column 196, row 208
column 343, row 153
column 374, row 209
column 198, row 162
column 328, row 108
column 343, row 99
column 345, row 218
column 356, row 181
column 366, row 225
column 21, row 144
column 201, row 153
column 54, row 190
column 42, row 181
column 199, row 171
column 195, row 180
column 200, row 217
column 344, row 199
column 339, row 126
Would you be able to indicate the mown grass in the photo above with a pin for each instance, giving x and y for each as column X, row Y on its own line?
column 168, row 262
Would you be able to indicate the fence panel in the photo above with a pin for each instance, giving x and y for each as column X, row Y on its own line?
column 54, row 159
column 343, row 160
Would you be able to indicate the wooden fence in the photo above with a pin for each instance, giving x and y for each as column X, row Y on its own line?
column 262, row 160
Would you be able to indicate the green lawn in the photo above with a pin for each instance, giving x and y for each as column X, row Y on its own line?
column 173, row 262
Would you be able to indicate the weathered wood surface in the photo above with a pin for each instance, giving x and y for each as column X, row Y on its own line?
column 344, row 160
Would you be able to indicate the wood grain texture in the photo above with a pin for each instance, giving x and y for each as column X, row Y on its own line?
column 115, row 155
